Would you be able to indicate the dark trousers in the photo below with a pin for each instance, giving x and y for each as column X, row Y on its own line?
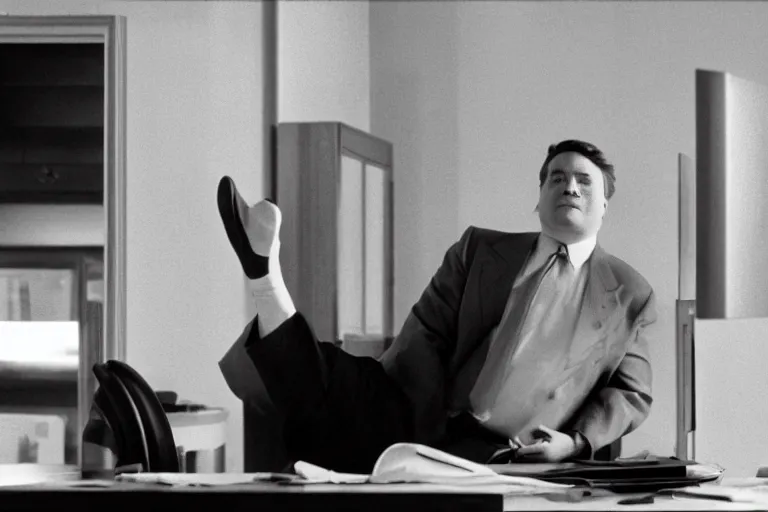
column 341, row 411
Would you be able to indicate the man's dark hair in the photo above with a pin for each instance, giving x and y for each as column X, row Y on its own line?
column 587, row 150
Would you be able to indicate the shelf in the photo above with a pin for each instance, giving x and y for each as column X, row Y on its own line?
column 47, row 106
column 32, row 183
column 52, row 65
column 38, row 145
column 52, row 123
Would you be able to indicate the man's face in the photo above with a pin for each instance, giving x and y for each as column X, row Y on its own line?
column 572, row 199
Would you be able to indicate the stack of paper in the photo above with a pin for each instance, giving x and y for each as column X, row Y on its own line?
column 415, row 463
column 195, row 479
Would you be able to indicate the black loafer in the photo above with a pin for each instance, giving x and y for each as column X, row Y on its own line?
column 254, row 265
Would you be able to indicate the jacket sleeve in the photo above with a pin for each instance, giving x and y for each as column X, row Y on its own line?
column 418, row 357
column 619, row 407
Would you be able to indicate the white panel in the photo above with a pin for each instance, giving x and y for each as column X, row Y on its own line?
column 746, row 192
column 686, row 228
column 375, row 183
column 350, row 249
column 731, row 187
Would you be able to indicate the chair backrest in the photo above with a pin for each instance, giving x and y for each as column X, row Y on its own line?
column 117, row 408
column 161, row 446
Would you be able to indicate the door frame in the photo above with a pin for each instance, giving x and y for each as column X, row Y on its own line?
column 111, row 32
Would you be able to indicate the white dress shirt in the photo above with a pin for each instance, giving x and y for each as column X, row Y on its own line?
column 510, row 411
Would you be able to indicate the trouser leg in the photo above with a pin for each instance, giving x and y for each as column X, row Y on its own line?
column 239, row 372
column 340, row 411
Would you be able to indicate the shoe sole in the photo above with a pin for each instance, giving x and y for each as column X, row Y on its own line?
column 226, row 198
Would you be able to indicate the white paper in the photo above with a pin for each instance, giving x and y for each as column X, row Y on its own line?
column 193, row 479
column 315, row 474
column 96, row 483
column 415, row 463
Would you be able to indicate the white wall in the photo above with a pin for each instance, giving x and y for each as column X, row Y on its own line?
column 473, row 92
column 194, row 114
column 197, row 117
column 323, row 62
column 414, row 104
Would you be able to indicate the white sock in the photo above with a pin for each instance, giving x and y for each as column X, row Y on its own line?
column 262, row 223
column 273, row 303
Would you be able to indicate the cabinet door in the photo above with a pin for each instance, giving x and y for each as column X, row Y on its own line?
column 375, row 249
column 350, row 253
column 363, row 256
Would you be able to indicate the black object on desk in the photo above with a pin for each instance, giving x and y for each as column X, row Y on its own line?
column 168, row 401
column 638, row 500
column 618, row 476
column 161, row 447
column 137, row 428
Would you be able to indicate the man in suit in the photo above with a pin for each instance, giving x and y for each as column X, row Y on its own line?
column 534, row 341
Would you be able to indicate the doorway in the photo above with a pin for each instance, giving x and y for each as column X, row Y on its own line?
column 62, row 254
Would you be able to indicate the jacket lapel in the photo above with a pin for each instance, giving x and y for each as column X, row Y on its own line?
column 508, row 256
column 496, row 266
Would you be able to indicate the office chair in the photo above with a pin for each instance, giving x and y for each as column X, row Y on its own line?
column 161, row 447
column 114, row 404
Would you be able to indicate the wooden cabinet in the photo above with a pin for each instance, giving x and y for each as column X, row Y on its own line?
column 51, row 123
column 334, row 186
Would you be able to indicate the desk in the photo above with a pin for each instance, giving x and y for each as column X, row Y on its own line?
column 253, row 497
column 314, row 498
column 535, row 503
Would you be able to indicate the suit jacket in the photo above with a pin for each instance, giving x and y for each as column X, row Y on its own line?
column 608, row 380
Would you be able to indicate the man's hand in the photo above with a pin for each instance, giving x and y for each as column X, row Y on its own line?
column 550, row 446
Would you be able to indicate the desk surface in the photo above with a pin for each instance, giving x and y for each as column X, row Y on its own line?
column 256, row 496
column 367, row 497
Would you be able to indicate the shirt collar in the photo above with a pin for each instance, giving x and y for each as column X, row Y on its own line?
column 578, row 253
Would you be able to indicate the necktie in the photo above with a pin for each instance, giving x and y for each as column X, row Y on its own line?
column 534, row 308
